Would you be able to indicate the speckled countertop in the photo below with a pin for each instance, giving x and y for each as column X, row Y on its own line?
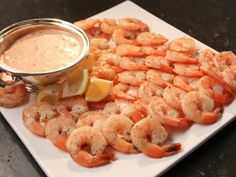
column 213, row 22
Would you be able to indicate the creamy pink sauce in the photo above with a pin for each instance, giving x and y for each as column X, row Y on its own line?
column 42, row 50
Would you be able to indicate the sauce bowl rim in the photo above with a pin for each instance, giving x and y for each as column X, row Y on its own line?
column 69, row 27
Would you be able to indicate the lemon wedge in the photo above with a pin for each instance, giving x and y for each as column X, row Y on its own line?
column 76, row 83
column 98, row 89
column 50, row 94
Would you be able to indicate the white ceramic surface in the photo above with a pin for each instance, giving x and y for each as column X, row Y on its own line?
column 56, row 163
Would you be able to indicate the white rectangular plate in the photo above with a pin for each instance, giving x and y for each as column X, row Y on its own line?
column 55, row 163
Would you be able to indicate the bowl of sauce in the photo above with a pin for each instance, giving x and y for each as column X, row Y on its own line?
column 40, row 51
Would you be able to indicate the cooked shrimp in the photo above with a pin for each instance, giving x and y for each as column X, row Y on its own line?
column 95, row 140
column 76, row 105
column 159, row 78
column 125, row 91
column 198, row 107
column 221, row 67
column 99, row 46
column 180, row 57
column 138, row 51
column 95, row 32
column 92, row 118
column 158, row 62
column 148, row 134
column 186, row 83
column 132, row 64
column 132, row 24
column 121, row 36
column 160, row 110
column 110, row 109
column 210, row 69
column 104, row 72
column 109, row 59
column 99, row 43
column 229, row 76
column 136, row 110
column 149, row 38
column 37, row 115
column 147, row 90
column 13, row 95
column 108, row 25
column 214, row 89
column 173, row 96
column 184, row 45
column 206, row 55
column 116, row 130
column 87, row 23
column 134, row 78
column 188, row 70
column 224, row 60
column 58, row 129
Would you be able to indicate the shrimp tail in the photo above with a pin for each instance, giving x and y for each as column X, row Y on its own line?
column 212, row 117
column 177, row 122
column 136, row 116
column 165, row 68
column 121, row 94
column 223, row 98
column 60, row 142
column 38, row 129
column 125, row 147
column 155, row 151
column 87, row 160
column 191, row 61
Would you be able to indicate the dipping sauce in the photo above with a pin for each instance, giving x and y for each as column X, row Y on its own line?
column 42, row 50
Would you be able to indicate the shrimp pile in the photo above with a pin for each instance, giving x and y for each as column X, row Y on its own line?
column 156, row 83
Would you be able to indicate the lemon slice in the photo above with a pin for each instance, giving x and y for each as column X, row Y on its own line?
column 76, row 83
column 50, row 94
column 98, row 89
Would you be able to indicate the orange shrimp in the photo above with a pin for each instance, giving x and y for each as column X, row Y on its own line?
column 159, row 78
column 87, row 23
column 117, row 130
column 188, row 70
column 198, row 107
column 13, row 95
column 58, row 129
column 108, row 25
column 214, row 89
column 160, row 110
column 110, row 109
column 134, row 78
column 186, row 83
column 132, row 24
column 180, row 57
column 158, row 62
column 36, row 116
column 121, row 36
column 147, row 90
column 132, row 64
column 136, row 110
column 125, row 91
column 184, row 45
column 149, row 38
column 76, row 105
column 95, row 140
column 173, row 96
column 138, row 51
column 148, row 134
column 91, row 118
